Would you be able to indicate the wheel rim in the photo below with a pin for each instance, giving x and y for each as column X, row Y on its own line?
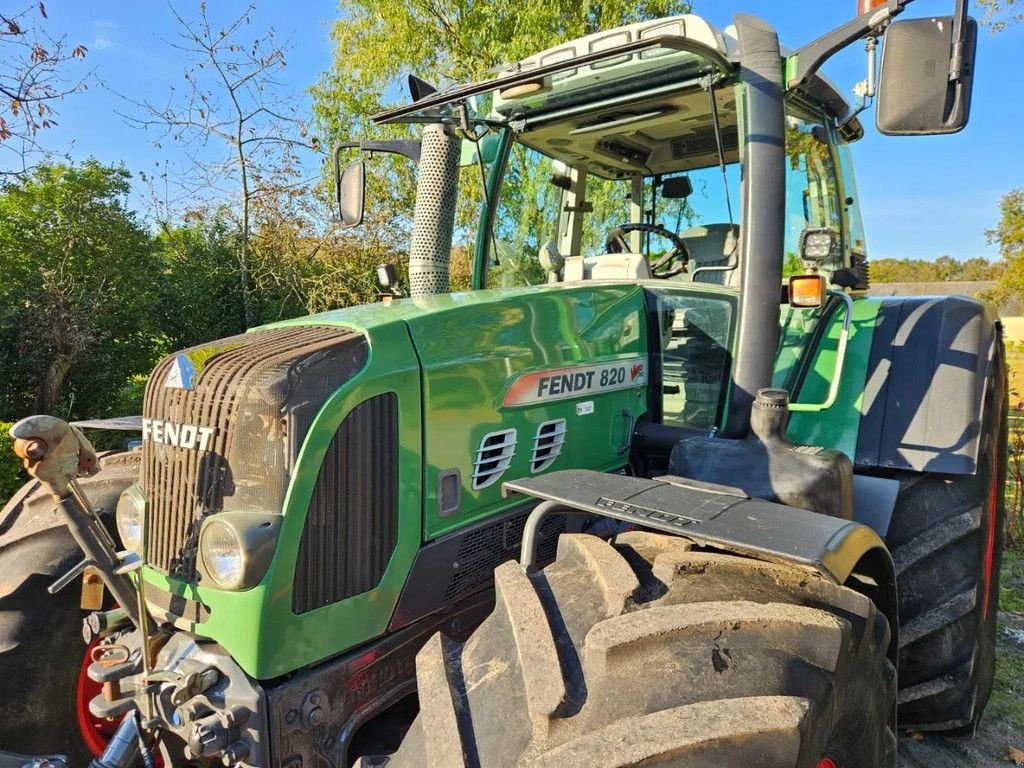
column 96, row 731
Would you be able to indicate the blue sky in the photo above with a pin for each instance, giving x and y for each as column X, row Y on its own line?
column 921, row 197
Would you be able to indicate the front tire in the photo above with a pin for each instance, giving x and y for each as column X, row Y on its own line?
column 41, row 647
column 648, row 653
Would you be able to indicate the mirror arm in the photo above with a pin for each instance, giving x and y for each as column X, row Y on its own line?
column 956, row 62
column 406, row 148
column 812, row 56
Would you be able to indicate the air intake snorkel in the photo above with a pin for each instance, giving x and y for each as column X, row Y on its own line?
column 434, row 217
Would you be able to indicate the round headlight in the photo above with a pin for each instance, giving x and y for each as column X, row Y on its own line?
column 131, row 510
column 223, row 554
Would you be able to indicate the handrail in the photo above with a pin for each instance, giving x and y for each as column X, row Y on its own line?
column 844, row 337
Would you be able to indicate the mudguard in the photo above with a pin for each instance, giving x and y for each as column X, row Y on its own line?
column 727, row 519
column 931, row 358
column 32, row 512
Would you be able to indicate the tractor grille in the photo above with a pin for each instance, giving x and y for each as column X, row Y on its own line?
column 259, row 393
column 351, row 525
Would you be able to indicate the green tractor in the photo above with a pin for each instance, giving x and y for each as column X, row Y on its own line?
column 666, row 487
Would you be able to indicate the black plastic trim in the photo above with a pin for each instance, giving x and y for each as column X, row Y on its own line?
column 761, row 233
column 931, row 357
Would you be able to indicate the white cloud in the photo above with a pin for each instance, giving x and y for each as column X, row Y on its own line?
column 102, row 39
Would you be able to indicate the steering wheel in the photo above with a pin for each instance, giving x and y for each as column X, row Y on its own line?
column 662, row 268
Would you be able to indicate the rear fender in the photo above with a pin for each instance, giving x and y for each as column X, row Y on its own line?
column 924, row 391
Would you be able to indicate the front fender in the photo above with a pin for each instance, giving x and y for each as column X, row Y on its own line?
column 723, row 518
column 32, row 513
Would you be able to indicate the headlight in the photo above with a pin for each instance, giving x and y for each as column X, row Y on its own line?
column 131, row 518
column 236, row 548
column 223, row 554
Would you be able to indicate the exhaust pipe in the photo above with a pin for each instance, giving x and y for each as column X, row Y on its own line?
column 434, row 218
column 762, row 237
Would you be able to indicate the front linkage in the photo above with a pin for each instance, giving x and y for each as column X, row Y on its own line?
column 153, row 680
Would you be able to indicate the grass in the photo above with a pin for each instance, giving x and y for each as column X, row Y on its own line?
column 1011, row 595
column 1006, row 707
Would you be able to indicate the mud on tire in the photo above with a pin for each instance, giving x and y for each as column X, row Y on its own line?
column 648, row 653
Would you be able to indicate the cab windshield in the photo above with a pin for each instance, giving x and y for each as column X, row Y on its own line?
column 649, row 187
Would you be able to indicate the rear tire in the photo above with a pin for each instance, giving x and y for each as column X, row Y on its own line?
column 647, row 653
column 946, row 539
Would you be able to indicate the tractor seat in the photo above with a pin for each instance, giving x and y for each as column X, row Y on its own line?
column 713, row 245
column 611, row 266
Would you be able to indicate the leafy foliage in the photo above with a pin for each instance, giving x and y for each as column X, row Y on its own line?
column 11, row 476
column 1009, row 236
column 77, row 279
column 942, row 269
column 376, row 42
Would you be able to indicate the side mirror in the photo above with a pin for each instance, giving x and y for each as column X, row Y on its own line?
column 926, row 76
column 350, row 192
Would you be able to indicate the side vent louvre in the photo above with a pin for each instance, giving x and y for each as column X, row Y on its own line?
column 547, row 444
column 493, row 457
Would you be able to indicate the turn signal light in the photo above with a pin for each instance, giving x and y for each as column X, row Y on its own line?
column 806, row 291
column 863, row 6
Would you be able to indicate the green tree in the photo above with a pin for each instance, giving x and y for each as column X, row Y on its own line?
column 1009, row 236
column 943, row 269
column 999, row 13
column 77, row 280
column 200, row 296
column 376, row 42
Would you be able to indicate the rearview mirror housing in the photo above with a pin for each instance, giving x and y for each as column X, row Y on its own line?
column 915, row 93
column 676, row 188
column 350, row 192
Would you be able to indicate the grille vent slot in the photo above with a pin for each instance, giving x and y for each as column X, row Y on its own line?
column 493, row 457
column 547, row 445
column 704, row 143
column 351, row 527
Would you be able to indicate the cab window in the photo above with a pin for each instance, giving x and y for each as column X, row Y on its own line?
column 525, row 217
column 812, row 193
column 693, row 351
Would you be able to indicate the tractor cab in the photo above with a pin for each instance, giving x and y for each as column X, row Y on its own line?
column 619, row 156
column 626, row 156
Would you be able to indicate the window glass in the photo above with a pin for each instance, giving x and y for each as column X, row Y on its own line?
column 525, row 217
column 854, row 223
column 694, row 354
column 610, row 201
column 812, row 197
